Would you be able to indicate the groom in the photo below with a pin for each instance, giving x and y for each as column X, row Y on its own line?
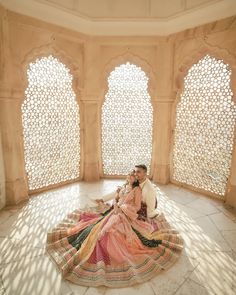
column 149, row 194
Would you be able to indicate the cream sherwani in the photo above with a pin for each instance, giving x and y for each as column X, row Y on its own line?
column 149, row 196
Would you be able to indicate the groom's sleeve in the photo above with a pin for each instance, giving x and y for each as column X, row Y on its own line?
column 151, row 202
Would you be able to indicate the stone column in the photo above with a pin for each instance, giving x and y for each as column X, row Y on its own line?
column 2, row 177
column 231, row 191
column 11, row 96
column 91, row 140
column 162, row 113
column 162, row 129
column 230, row 197
column 91, row 111
column 13, row 153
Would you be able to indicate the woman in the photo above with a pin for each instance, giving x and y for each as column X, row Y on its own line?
column 116, row 247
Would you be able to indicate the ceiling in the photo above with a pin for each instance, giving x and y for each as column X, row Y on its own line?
column 125, row 17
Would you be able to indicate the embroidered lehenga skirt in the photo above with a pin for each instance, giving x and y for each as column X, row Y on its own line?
column 94, row 249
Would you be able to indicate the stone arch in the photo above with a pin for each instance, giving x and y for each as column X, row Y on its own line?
column 110, row 69
column 107, row 69
column 197, row 55
column 134, row 59
column 63, row 59
column 182, row 71
column 62, row 56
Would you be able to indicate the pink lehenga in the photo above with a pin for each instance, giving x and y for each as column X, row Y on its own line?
column 114, row 249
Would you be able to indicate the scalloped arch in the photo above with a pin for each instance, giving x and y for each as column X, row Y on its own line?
column 197, row 55
column 182, row 71
column 134, row 59
column 53, row 50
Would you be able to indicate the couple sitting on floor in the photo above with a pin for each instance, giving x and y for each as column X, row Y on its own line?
column 116, row 245
column 137, row 178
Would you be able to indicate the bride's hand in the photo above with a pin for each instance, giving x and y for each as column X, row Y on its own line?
column 118, row 189
column 116, row 208
column 99, row 201
column 117, row 198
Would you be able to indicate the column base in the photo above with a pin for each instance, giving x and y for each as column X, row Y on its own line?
column 91, row 172
column 230, row 198
column 16, row 192
column 161, row 174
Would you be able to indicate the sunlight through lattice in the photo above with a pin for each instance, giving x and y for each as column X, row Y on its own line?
column 204, row 132
column 50, row 116
column 127, row 119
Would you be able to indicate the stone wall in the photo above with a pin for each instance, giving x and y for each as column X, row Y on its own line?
column 90, row 60
column 2, row 178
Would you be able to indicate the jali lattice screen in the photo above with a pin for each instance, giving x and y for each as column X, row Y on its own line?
column 127, row 119
column 51, row 124
column 204, row 132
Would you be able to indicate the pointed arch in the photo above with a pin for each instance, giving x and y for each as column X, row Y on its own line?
column 127, row 117
column 62, row 56
column 133, row 59
column 202, row 148
column 198, row 54
column 51, row 124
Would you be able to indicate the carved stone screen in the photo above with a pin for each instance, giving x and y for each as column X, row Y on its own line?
column 50, row 116
column 204, row 132
column 127, row 119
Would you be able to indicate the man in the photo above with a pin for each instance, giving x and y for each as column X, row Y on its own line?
column 149, row 194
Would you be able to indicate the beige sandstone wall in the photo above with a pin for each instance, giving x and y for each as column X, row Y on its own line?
column 2, row 178
column 90, row 59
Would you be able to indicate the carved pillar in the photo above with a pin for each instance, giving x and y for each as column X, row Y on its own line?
column 90, row 101
column 91, row 141
column 162, row 128
column 231, row 191
column 2, row 177
column 230, row 197
column 12, row 144
column 162, row 113
column 11, row 96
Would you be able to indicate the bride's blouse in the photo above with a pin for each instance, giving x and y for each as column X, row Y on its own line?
column 130, row 201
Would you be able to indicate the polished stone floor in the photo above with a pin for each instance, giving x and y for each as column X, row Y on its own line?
column 207, row 264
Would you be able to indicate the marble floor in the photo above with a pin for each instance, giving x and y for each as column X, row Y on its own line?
column 207, row 264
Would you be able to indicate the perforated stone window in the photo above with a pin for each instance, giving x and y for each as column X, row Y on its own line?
column 204, row 132
column 51, row 121
column 127, row 119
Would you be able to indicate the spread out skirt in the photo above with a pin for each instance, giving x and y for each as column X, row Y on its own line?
column 94, row 249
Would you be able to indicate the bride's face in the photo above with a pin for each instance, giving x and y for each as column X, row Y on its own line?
column 131, row 178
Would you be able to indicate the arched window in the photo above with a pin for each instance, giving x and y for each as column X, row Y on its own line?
column 50, row 116
column 204, row 132
column 127, row 119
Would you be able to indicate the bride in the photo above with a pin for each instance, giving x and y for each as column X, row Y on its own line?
column 115, row 246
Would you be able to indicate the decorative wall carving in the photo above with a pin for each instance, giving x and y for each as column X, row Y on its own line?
column 127, row 119
column 51, row 124
column 204, row 131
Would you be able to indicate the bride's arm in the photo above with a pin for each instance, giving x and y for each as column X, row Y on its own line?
column 138, row 198
column 131, row 209
column 110, row 196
